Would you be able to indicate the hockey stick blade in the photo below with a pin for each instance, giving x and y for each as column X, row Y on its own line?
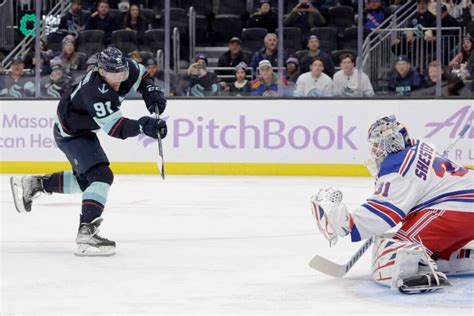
column 161, row 161
column 339, row 270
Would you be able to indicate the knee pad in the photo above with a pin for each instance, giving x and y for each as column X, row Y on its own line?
column 100, row 173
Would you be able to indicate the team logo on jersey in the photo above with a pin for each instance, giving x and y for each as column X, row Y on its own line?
column 103, row 88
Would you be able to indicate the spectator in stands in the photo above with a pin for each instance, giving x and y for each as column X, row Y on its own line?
column 268, row 82
column 346, row 80
column 269, row 52
column 450, row 85
column 134, row 20
column 292, row 70
column 91, row 62
column 464, row 10
column 241, row 86
column 75, row 20
column 102, row 20
column 264, row 17
column 375, row 14
column 201, row 82
column 234, row 55
column 314, row 83
column 432, row 5
column 405, row 79
column 158, row 76
column 451, row 36
column 46, row 56
column 305, row 16
column 15, row 84
column 421, row 19
column 69, row 59
column 314, row 51
column 57, row 83
column 458, row 64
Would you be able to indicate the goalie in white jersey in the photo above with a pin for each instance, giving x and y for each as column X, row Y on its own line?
column 430, row 195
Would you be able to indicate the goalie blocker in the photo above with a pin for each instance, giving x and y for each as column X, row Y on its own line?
column 431, row 196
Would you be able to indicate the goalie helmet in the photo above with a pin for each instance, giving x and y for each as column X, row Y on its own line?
column 386, row 136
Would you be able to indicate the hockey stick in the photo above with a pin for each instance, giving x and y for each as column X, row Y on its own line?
column 339, row 270
column 161, row 161
column 453, row 143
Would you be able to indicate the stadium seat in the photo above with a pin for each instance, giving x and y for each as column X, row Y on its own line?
column 149, row 16
column 125, row 40
column 226, row 26
column 202, row 7
column 341, row 17
column 350, row 37
column 90, row 41
column 292, row 39
column 237, row 7
column 116, row 14
column 54, row 40
column 201, row 28
column 327, row 37
column 301, row 53
column 179, row 19
column 252, row 38
column 336, row 54
column 154, row 40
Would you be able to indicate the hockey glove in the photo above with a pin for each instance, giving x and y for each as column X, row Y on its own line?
column 154, row 97
column 151, row 127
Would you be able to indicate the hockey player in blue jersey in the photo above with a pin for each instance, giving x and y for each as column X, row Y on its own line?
column 93, row 104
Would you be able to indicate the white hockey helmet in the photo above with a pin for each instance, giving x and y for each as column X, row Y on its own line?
column 386, row 136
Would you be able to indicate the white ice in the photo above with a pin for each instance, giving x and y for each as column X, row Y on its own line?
column 195, row 245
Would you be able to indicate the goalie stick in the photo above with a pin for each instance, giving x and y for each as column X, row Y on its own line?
column 161, row 162
column 339, row 270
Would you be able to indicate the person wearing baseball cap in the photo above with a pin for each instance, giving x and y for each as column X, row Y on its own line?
column 314, row 50
column 234, row 55
column 241, row 86
column 405, row 79
column 201, row 81
column 265, row 17
column 267, row 82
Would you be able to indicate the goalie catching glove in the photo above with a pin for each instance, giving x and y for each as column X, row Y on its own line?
column 331, row 215
column 154, row 97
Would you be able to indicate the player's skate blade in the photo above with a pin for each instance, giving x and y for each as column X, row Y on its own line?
column 25, row 190
column 86, row 250
column 423, row 283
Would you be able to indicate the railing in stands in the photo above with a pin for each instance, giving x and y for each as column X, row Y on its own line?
column 192, row 32
column 25, row 45
column 176, row 49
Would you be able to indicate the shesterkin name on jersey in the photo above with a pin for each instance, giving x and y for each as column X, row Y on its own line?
column 401, row 162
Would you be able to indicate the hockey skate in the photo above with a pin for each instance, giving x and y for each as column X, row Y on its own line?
column 25, row 190
column 89, row 243
column 423, row 283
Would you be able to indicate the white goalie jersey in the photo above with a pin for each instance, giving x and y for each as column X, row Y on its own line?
column 412, row 180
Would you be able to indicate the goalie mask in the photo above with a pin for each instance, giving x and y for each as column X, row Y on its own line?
column 112, row 65
column 386, row 136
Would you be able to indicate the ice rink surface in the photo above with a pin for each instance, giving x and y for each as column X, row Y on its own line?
column 195, row 245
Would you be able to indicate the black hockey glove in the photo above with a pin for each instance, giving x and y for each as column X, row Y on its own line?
column 151, row 127
column 154, row 97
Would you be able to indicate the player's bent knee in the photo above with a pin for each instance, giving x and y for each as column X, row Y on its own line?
column 100, row 173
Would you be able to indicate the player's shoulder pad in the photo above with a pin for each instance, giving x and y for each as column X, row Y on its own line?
column 399, row 162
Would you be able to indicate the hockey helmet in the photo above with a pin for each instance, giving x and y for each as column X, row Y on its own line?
column 113, row 65
column 386, row 136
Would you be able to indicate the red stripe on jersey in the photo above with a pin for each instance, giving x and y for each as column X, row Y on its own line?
column 407, row 158
column 389, row 212
column 114, row 129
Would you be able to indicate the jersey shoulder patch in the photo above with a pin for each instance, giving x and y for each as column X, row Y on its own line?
column 399, row 162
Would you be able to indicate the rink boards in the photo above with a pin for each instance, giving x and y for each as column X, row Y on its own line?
column 242, row 136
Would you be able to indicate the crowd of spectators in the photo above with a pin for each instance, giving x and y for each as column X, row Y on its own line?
column 310, row 70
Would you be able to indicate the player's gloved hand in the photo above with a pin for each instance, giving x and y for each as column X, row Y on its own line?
column 331, row 215
column 151, row 127
column 154, row 98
